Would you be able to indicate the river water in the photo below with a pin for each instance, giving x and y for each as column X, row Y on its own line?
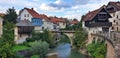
column 64, row 51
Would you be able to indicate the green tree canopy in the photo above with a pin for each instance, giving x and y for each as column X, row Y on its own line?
column 7, row 41
column 97, row 49
column 39, row 48
column 10, row 16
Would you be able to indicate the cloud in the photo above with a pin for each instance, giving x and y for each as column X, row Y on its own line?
column 64, row 4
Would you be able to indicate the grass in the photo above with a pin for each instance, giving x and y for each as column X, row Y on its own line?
column 20, row 47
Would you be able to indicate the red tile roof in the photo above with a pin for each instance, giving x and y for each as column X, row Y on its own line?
column 74, row 22
column 44, row 17
column 2, row 14
column 33, row 13
column 89, row 16
column 115, row 4
column 55, row 20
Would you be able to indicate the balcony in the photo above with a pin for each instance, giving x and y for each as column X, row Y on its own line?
column 99, row 24
column 25, row 29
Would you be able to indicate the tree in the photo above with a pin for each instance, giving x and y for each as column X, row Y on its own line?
column 80, row 36
column 11, row 16
column 39, row 48
column 7, row 41
column 45, row 36
column 79, row 39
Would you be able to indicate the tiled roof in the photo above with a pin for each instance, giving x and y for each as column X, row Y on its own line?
column 2, row 14
column 55, row 20
column 92, row 14
column 43, row 16
column 74, row 22
column 24, row 23
column 115, row 4
column 33, row 13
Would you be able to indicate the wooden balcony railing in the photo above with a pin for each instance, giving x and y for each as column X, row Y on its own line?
column 98, row 24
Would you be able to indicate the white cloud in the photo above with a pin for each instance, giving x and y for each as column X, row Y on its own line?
column 47, row 7
column 72, row 16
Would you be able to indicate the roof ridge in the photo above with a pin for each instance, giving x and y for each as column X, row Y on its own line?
column 94, row 12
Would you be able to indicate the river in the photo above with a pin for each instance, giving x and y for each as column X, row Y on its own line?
column 64, row 51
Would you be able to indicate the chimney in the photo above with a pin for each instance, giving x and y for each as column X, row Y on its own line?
column 32, row 8
column 89, row 11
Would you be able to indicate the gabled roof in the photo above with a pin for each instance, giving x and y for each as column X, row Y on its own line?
column 24, row 23
column 55, row 20
column 43, row 16
column 115, row 4
column 89, row 16
column 33, row 13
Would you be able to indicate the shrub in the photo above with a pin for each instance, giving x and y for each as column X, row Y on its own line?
column 40, row 48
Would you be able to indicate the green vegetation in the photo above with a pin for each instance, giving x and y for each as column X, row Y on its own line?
column 45, row 36
column 64, row 39
column 80, row 37
column 97, row 49
column 76, row 54
column 39, row 48
column 11, row 16
column 20, row 47
column 7, row 39
column 35, row 56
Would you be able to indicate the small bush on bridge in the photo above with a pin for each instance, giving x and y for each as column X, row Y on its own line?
column 97, row 49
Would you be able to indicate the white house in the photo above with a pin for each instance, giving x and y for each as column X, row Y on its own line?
column 96, row 21
column 32, row 16
column 47, row 24
column 114, row 9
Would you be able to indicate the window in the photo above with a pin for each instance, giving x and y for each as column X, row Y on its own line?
column 42, row 28
column 24, row 15
column 114, row 21
column 112, row 28
column 117, row 16
column 28, row 15
column 117, row 28
column 113, row 14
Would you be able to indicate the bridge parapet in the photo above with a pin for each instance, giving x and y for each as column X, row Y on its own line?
column 113, row 38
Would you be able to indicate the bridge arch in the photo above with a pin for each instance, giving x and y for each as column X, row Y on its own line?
column 70, row 35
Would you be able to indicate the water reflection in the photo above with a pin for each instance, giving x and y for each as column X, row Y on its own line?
column 64, row 51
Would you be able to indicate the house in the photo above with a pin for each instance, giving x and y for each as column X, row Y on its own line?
column 96, row 21
column 47, row 24
column 114, row 9
column 74, row 22
column 23, row 30
column 58, row 22
column 32, row 16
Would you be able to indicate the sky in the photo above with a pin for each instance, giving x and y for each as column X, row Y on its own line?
column 60, row 8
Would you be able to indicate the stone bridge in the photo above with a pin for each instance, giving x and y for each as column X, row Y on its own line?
column 70, row 34
column 113, row 43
